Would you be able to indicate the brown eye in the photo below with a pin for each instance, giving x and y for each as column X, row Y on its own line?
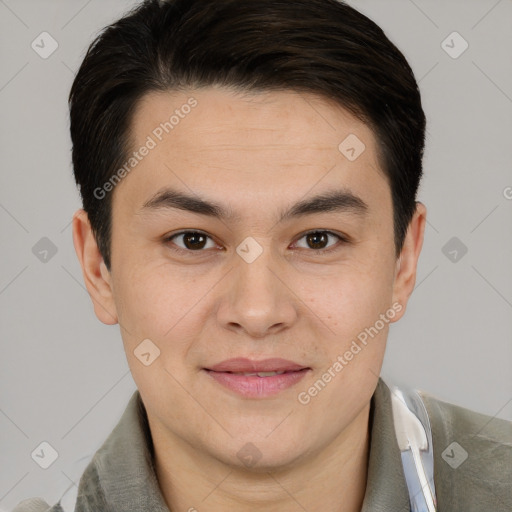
column 319, row 240
column 191, row 240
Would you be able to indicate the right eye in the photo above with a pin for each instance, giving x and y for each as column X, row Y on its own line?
column 192, row 241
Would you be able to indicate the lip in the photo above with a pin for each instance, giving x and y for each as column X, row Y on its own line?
column 242, row 364
column 254, row 386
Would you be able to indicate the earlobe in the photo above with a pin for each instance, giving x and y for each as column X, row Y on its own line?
column 406, row 267
column 97, row 278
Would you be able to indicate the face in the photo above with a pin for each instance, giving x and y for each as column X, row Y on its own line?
column 282, row 259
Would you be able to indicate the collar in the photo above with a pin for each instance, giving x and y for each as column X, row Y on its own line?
column 386, row 488
column 121, row 475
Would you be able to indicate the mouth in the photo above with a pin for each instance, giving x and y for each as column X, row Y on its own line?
column 257, row 379
column 259, row 374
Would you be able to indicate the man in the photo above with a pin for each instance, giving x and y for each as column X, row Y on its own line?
column 249, row 173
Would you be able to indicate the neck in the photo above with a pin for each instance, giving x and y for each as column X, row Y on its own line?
column 333, row 479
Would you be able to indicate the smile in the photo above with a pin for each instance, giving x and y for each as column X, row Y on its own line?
column 257, row 379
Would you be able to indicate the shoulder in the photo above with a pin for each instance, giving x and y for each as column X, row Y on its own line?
column 472, row 458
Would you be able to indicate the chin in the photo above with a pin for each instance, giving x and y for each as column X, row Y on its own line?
column 264, row 457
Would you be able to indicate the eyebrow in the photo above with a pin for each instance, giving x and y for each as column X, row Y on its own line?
column 332, row 201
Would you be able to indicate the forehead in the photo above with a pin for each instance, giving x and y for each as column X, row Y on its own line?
column 279, row 119
column 258, row 144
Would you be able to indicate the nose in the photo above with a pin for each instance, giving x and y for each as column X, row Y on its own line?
column 256, row 298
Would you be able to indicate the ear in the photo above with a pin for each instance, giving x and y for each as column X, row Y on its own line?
column 97, row 278
column 405, row 277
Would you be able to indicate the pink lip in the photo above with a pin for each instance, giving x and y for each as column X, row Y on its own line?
column 228, row 374
column 241, row 364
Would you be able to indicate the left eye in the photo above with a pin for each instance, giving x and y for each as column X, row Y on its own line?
column 318, row 240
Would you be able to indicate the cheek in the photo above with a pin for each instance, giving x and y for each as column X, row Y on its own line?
column 356, row 312
column 158, row 303
column 155, row 297
column 347, row 299
column 155, row 306
column 141, row 300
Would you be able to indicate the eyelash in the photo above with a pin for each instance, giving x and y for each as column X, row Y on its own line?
column 341, row 238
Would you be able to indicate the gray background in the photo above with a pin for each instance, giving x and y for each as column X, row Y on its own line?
column 64, row 376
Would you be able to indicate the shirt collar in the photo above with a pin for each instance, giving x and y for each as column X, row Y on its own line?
column 121, row 476
column 386, row 488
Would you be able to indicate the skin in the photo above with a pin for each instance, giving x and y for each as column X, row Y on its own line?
column 257, row 154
